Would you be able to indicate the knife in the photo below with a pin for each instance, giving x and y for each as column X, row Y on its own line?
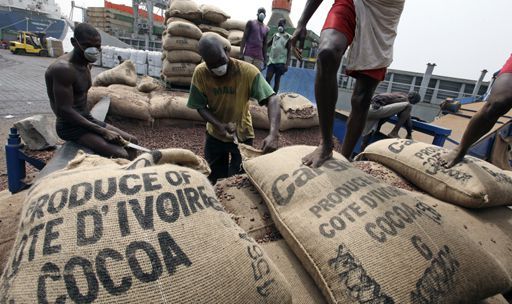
column 128, row 144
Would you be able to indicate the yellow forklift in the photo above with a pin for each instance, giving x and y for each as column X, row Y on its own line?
column 29, row 43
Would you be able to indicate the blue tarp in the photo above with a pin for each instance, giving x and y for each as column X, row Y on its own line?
column 301, row 81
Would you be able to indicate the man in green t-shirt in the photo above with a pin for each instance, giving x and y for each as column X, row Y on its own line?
column 220, row 92
column 280, row 54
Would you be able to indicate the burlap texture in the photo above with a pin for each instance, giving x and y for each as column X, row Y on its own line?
column 384, row 174
column 187, row 9
column 232, row 24
column 213, row 13
column 184, row 29
column 183, row 56
column 148, row 231
column 365, row 241
column 497, row 299
column 472, row 183
column 121, row 74
column 128, row 102
column 304, row 290
column 165, row 104
column 242, row 200
column 178, row 69
column 179, row 80
column 298, row 112
column 235, row 37
column 500, row 155
column 205, row 28
column 172, row 19
column 489, row 227
column 10, row 213
column 173, row 43
column 147, row 84
column 94, row 95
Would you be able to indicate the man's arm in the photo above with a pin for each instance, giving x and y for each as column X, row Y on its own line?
column 228, row 129
column 247, row 32
column 301, row 32
column 63, row 79
column 270, row 143
column 288, row 55
column 269, row 43
column 264, row 50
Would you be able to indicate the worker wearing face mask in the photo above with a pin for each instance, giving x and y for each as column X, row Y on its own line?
column 67, row 81
column 220, row 92
column 254, row 41
column 280, row 54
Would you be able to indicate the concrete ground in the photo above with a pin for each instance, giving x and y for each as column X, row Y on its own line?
column 22, row 92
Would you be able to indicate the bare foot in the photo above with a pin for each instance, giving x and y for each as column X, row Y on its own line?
column 393, row 135
column 317, row 157
column 451, row 159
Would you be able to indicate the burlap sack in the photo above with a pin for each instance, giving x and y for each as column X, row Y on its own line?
column 129, row 103
column 184, row 29
column 165, row 104
column 231, row 24
column 489, row 227
column 182, row 56
column 178, row 69
column 214, row 29
column 235, row 52
column 148, row 231
column 10, row 213
column 94, row 95
column 367, row 242
column 239, row 197
column 235, row 37
column 500, row 154
column 173, row 43
column 187, row 9
column 121, row 74
column 472, row 183
column 298, row 111
column 497, row 299
column 179, row 80
column 304, row 290
column 259, row 115
column 384, row 174
column 213, row 13
column 148, row 84
column 172, row 19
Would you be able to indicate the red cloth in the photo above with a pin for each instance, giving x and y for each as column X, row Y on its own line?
column 507, row 68
column 342, row 17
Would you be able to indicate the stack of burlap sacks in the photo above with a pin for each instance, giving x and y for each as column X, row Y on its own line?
column 155, row 230
column 148, row 101
column 186, row 22
column 362, row 240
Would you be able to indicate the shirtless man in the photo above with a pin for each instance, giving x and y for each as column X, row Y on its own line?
column 498, row 103
column 67, row 81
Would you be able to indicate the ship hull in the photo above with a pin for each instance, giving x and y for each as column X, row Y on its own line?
column 13, row 20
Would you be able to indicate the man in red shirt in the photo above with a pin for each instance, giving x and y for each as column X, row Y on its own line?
column 498, row 104
column 370, row 55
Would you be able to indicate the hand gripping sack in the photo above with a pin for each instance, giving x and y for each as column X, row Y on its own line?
column 472, row 183
column 149, row 231
column 367, row 242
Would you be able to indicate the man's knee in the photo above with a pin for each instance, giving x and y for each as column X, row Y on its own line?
column 497, row 108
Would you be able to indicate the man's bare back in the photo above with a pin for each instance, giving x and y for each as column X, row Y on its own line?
column 67, row 81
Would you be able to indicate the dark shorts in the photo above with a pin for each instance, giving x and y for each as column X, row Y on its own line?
column 342, row 17
column 276, row 68
column 72, row 132
column 507, row 68
column 224, row 158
